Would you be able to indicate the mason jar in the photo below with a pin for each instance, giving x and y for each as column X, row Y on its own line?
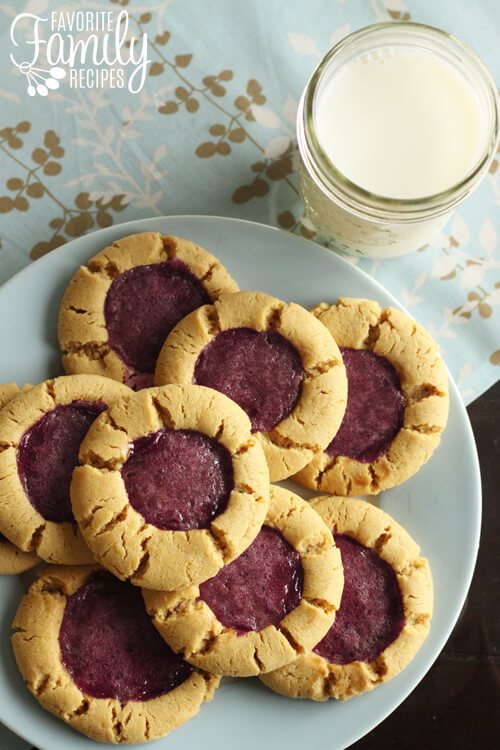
column 352, row 219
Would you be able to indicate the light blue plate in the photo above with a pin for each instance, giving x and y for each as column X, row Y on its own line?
column 440, row 506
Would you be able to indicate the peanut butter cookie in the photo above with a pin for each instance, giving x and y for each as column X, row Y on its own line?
column 41, row 431
column 275, row 360
column 12, row 560
column 89, row 654
column 171, row 487
column 385, row 610
column 119, row 308
column 272, row 603
column 397, row 405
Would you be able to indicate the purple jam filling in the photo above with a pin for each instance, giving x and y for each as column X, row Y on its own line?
column 375, row 407
column 48, row 453
column 258, row 588
column 371, row 614
column 260, row 370
column 178, row 479
column 110, row 647
column 142, row 306
column 138, row 380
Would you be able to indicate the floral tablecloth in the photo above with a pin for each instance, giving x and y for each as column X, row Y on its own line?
column 212, row 131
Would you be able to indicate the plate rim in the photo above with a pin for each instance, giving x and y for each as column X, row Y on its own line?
column 476, row 479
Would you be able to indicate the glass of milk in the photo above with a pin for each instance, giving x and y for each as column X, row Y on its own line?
column 397, row 125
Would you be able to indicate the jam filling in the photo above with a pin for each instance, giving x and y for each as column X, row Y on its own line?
column 260, row 370
column 178, row 479
column 142, row 306
column 138, row 380
column 110, row 647
column 260, row 587
column 371, row 614
column 48, row 453
column 375, row 407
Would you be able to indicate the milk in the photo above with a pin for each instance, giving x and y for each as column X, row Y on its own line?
column 397, row 125
column 400, row 122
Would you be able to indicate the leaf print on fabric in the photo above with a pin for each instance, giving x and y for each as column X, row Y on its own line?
column 107, row 144
column 162, row 38
column 44, row 158
column 248, row 108
column 392, row 10
column 339, row 34
column 71, row 222
column 277, row 146
column 290, row 110
column 303, row 44
column 274, row 169
column 444, row 267
column 396, row 15
column 481, row 301
column 488, row 237
column 265, row 116
column 155, row 69
column 410, row 297
column 233, row 130
column 286, row 220
column 472, row 275
column 494, row 298
column 75, row 222
column 397, row 10
column 460, row 233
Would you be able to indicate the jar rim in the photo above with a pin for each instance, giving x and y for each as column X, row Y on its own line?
column 357, row 198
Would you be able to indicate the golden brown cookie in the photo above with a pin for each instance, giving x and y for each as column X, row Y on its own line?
column 12, row 560
column 384, row 614
column 9, row 391
column 397, row 406
column 40, row 433
column 272, row 358
column 118, row 309
column 171, row 487
column 88, row 653
column 271, row 604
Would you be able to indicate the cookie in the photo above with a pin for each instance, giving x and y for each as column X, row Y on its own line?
column 118, row 309
column 171, row 487
column 397, row 406
column 271, row 604
column 9, row 391
column 89, row 654
column 384, row 614
column 275, row 360
column 41, row 431
column 12, row 560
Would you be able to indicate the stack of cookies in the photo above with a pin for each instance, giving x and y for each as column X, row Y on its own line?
column 143, row 477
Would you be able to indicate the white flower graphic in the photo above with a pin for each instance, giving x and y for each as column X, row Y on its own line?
column 39, row 80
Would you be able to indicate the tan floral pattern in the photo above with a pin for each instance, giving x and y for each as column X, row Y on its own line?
column 275, row 164
column 70, row 221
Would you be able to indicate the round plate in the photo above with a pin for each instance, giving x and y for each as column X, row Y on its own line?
column 440, row 506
